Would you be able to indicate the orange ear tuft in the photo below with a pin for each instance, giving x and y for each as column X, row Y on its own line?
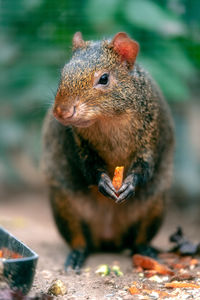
column 125, row 47
column 78, row 41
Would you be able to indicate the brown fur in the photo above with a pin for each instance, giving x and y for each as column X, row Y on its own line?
column 125, row 123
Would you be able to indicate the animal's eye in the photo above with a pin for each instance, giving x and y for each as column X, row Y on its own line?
column 104, row 79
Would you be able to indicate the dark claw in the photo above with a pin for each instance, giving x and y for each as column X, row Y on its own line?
column 75, row 260
column 128, row 192
column 106, row 187
column 127, row 189
column 122, row 188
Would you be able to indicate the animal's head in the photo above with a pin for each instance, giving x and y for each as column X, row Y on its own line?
column 94, row 81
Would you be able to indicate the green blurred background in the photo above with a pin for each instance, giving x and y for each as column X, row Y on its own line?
column 35, row 42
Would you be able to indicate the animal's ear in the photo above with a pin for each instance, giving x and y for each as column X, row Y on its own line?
column 78, row 41
column 125, row 47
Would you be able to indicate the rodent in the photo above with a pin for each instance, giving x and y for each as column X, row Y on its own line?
column 108, row 112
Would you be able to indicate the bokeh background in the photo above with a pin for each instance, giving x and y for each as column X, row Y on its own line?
column 35, row 42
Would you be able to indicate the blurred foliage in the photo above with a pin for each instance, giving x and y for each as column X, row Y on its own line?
column 35, row 39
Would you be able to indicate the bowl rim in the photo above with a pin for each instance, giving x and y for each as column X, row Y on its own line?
column 33, row 255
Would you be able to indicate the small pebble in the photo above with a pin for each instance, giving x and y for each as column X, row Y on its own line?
column 156, row 278
column 192, row 267
column 57, row 288
column 109, row 295
column 154, row 295
column 122, row 293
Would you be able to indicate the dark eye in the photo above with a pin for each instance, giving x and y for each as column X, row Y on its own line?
column 104, row 79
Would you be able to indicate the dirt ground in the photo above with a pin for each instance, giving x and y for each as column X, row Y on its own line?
column 29, row 218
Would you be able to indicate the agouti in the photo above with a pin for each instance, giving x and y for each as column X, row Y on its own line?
column 108, row 112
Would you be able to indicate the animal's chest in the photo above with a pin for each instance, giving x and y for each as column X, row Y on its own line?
column 114, row 142
column 116, row 152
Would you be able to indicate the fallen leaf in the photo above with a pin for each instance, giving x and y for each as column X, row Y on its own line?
column 177, row 284
column 148, row 263
column 194, row 262
column 133, row 290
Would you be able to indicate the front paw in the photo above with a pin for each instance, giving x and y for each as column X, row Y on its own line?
column 127, row 189
column 106, row 187
column 75, row 259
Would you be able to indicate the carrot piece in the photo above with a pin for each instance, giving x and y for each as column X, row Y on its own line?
column 15, row 255
column 133, row 290
column 176, row 284
column 194, row 262
column 9, row 254
column 118, row 177
column 148, row 263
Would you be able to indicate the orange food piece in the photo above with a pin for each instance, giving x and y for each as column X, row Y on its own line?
column 148, row 263
column 133, row 290
column 15, row 255
column 9, row 254
column 118, row 177
column 163, row 294
column 176, row 284
column 194, row 262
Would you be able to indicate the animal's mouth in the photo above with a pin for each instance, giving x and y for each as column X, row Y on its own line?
column 71, row 116
column 83, row 123
column 77, row 122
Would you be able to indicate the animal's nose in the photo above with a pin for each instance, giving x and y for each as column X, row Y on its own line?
column 60, row 111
